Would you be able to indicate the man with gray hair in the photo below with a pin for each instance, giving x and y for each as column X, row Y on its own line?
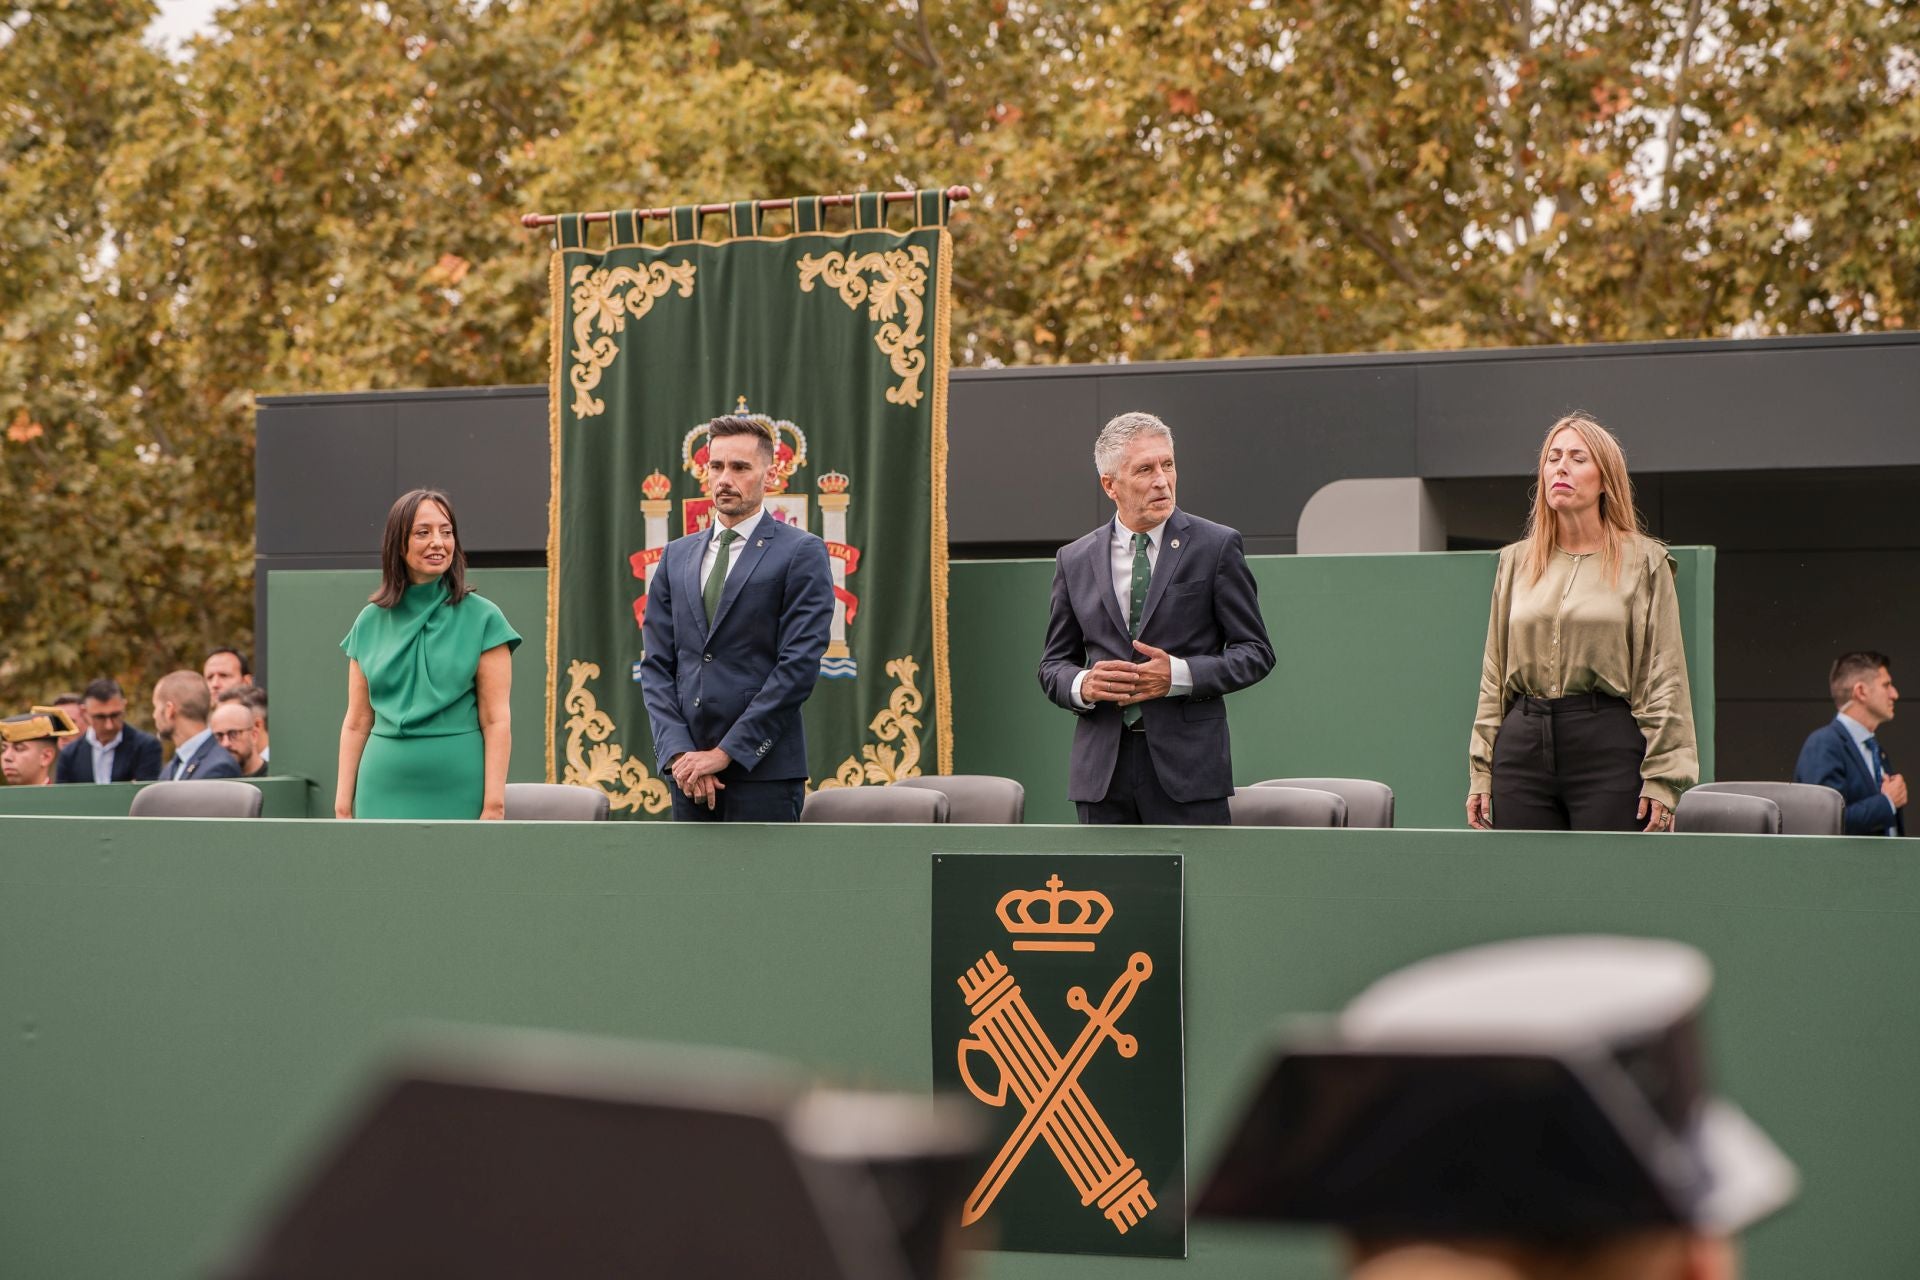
column 1155, row 619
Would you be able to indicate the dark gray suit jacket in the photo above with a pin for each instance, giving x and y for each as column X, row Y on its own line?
column 1202, row 607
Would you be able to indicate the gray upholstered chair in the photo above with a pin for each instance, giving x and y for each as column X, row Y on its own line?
column 1806, row 809
column 1369, row 803
column 976, row 797
column 555, row 802
column 1286, row 807
column 874, row 804
column 213, row 798
column 1727, row 813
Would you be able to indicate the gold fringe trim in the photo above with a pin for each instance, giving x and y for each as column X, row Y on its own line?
column 942, row 676
column 555, row 342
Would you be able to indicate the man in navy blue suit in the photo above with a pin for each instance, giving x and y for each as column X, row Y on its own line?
column 181, row 704
column 737, row 621
column 1844, row 753
column 111, row 750
column 1155, row 619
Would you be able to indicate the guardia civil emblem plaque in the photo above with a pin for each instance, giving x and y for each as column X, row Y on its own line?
column 1057, row 1007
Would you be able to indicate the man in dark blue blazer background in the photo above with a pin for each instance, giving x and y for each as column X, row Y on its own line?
column 1846, row 755
column 1155, row 619
column 131, row 755
column 737, row 622
column 181, row 704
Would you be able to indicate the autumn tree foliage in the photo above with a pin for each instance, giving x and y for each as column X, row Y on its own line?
column 322, row 196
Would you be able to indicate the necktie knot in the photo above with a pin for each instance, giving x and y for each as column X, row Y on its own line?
column 1141, row 542
column 727, row 537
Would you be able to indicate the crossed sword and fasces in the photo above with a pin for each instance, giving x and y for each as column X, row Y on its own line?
column 1047, row 1084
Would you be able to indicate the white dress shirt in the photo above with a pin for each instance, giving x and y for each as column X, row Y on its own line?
column 745, row 529
column 1120, row 557
column 103, row 754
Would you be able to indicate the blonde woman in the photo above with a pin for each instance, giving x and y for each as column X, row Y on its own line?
column 1585, row 720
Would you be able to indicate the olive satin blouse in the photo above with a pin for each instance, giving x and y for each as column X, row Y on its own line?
column 1574, row 631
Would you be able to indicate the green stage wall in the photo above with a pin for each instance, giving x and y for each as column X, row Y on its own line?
column 188, row 1004
column 1378, row 672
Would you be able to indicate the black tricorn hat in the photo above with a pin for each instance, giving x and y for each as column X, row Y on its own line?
column 491, row 1154
column 1548, row 1090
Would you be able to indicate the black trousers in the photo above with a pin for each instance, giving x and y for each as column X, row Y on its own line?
column 744, row 800
column 1136, row 796
column 1568, row 764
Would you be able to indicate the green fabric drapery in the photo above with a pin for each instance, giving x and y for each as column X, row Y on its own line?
column 837, row 339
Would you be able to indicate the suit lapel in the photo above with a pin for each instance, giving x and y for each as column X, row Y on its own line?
column 686, row 581
column 1173, row 544
column 1856, row 764
column 1100, row 562
column 747, row 559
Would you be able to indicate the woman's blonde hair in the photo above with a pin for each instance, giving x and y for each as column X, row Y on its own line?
column 1618, row 515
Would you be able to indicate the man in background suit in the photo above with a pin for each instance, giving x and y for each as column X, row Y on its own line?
column 181, row 702
column 737, row 622
column 111, row 750
column 1845, row 755
column 1154, row 620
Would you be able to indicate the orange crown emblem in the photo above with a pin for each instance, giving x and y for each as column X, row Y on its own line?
column 656, row 486
column 1052, row 919
column 834, row 482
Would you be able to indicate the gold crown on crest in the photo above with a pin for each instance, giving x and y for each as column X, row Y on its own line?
column 656, row 486
column 1052, row 919
column 833, row 482
column 789, row 448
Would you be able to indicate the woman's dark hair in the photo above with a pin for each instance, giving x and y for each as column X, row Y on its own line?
column 393, row 550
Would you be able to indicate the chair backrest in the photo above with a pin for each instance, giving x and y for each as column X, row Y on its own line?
column 874, row 804
column 1806, row 809
column 1369, row 803
column 976, row 797
column 213, row 798
column 1286, row 807
column 555, row 802
column 1727, row 813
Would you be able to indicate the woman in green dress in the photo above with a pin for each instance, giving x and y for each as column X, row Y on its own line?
column 429, row 668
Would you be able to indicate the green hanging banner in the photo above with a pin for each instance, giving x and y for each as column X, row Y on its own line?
column 836, row 342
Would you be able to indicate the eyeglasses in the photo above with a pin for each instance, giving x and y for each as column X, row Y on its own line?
column 221, row 735
column 107, row 717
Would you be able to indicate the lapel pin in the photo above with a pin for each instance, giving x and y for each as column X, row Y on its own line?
column 1176, row 544
column 761, row 543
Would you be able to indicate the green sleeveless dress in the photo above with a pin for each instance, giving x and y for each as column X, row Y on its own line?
column 425, row 758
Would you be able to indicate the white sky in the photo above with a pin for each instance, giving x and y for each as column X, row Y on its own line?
column 180, row 20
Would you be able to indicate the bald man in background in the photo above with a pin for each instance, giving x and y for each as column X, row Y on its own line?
column 181, row 704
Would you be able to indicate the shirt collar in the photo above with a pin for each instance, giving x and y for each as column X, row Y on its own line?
column 94, row 738
column 745, row 528
column 1855, row 730
column 1124, row 536
column 191, row 747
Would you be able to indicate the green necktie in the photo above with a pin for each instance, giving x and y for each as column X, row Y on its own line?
column 717, row 577
column 1136, row 601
